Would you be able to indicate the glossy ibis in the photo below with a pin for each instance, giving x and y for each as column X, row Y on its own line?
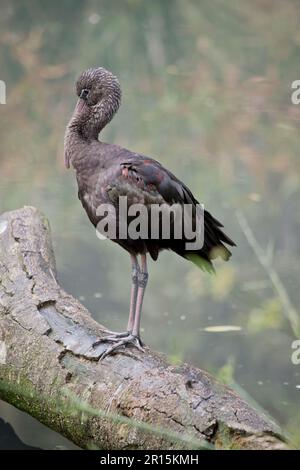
column 105, row 172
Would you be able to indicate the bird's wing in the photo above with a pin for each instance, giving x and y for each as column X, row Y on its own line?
column 149, row 175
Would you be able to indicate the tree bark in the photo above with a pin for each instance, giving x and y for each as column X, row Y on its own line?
column 49, row 367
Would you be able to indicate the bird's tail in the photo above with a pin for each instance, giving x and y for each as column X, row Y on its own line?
column 214, row 246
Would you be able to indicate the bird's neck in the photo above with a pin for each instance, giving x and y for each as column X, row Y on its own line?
column 73, row 144
column 83, row 129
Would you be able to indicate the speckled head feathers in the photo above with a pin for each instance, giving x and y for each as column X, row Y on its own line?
column 99, row 101
column 95, row 108
column 100, row 83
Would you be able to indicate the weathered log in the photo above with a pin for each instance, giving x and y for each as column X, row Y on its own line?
column 49, row 351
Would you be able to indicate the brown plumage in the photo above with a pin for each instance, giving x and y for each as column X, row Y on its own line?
column 105, row 172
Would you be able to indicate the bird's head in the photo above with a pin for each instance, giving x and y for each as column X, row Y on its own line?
column 98, row 85
column 99, row 96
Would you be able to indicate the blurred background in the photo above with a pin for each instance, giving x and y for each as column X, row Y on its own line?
column 207, row 91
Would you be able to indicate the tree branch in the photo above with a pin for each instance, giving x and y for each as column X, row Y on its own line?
column 49, row 366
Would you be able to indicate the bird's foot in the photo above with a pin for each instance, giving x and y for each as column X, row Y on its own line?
column 113, row 333
column 115, row 336
column 121, row 342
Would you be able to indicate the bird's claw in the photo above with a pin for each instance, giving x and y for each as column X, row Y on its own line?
column 122, row 342
column 113, row 336
column 116, row 333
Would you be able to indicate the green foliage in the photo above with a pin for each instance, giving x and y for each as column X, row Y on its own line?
column 227, row 371
column 268, row 316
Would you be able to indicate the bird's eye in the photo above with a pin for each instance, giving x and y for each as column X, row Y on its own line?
column 84, row 94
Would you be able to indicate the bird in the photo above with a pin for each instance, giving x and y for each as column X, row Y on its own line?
column 107, row 172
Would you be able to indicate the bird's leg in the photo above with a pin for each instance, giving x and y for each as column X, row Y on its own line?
column 135, row 271
column 142, row 284
column 134, row 291
column 134, row 336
